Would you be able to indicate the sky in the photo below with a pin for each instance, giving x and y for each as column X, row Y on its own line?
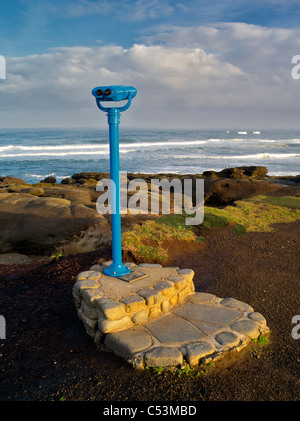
column 195, row 64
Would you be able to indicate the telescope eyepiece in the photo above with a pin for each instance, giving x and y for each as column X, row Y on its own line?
column 114, row 93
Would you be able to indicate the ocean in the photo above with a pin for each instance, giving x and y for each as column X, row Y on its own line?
column 33, row 154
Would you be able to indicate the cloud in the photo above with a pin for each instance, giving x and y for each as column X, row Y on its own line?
column 251, row 47
column 200, row 10
column 126, row 10
column 199, row 77
column 261, row 54
column 63, row 78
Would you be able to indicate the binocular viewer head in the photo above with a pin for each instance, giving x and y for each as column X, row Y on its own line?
column 114, row 93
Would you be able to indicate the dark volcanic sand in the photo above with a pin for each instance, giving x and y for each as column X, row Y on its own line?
column 48, row 355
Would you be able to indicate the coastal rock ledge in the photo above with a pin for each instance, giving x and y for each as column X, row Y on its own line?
column 48, row 218
column 41, row 226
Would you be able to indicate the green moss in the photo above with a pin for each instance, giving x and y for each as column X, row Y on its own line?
column 239, row 229
column 258, row 213
column 287, row 202
column 261, row 340
column 214, row 218
column 145, row 241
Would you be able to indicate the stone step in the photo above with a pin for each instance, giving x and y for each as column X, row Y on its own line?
column 159, row 320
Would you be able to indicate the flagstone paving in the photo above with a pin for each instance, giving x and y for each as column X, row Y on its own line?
column 159, row 319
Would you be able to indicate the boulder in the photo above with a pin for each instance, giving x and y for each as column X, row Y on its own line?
column 34, row 225
column 89, row 175
column 35, row 191
column 253, row 171
column 75, row 195
column 68, row 181
column 11, row 180
column 288, row 180
column 210, row 174
column 51, row 180
column 238, row 172
column 223, row 192
column 15, row 188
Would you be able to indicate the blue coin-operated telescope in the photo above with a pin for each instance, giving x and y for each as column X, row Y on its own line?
column 115, row 93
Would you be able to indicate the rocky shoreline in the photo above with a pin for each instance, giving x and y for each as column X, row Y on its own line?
column 47, row 355
column 46, row 218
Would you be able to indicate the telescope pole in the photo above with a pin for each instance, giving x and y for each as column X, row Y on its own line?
column 117, row 267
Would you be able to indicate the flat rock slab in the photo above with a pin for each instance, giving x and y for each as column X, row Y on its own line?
column 128, row 342
column 161, row 357
column 171, row 328
column 196, row 330
column 207, row 313
column 116, row 288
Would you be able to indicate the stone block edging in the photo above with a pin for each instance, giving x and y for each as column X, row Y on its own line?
column 99, row 312
column 164, row 323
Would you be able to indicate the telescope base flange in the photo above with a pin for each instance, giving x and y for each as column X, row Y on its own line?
column 117, row 270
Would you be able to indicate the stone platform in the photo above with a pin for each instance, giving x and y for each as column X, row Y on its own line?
column 156, row 318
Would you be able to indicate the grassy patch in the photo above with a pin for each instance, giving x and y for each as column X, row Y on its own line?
column 56, row 257
column 175, row 221
column 261, row 340
column 258, row 213
column 158, row 370
column 287, row 202
column 214, row 218
column 146, row 241
column 187, row 371
column 239, row 229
